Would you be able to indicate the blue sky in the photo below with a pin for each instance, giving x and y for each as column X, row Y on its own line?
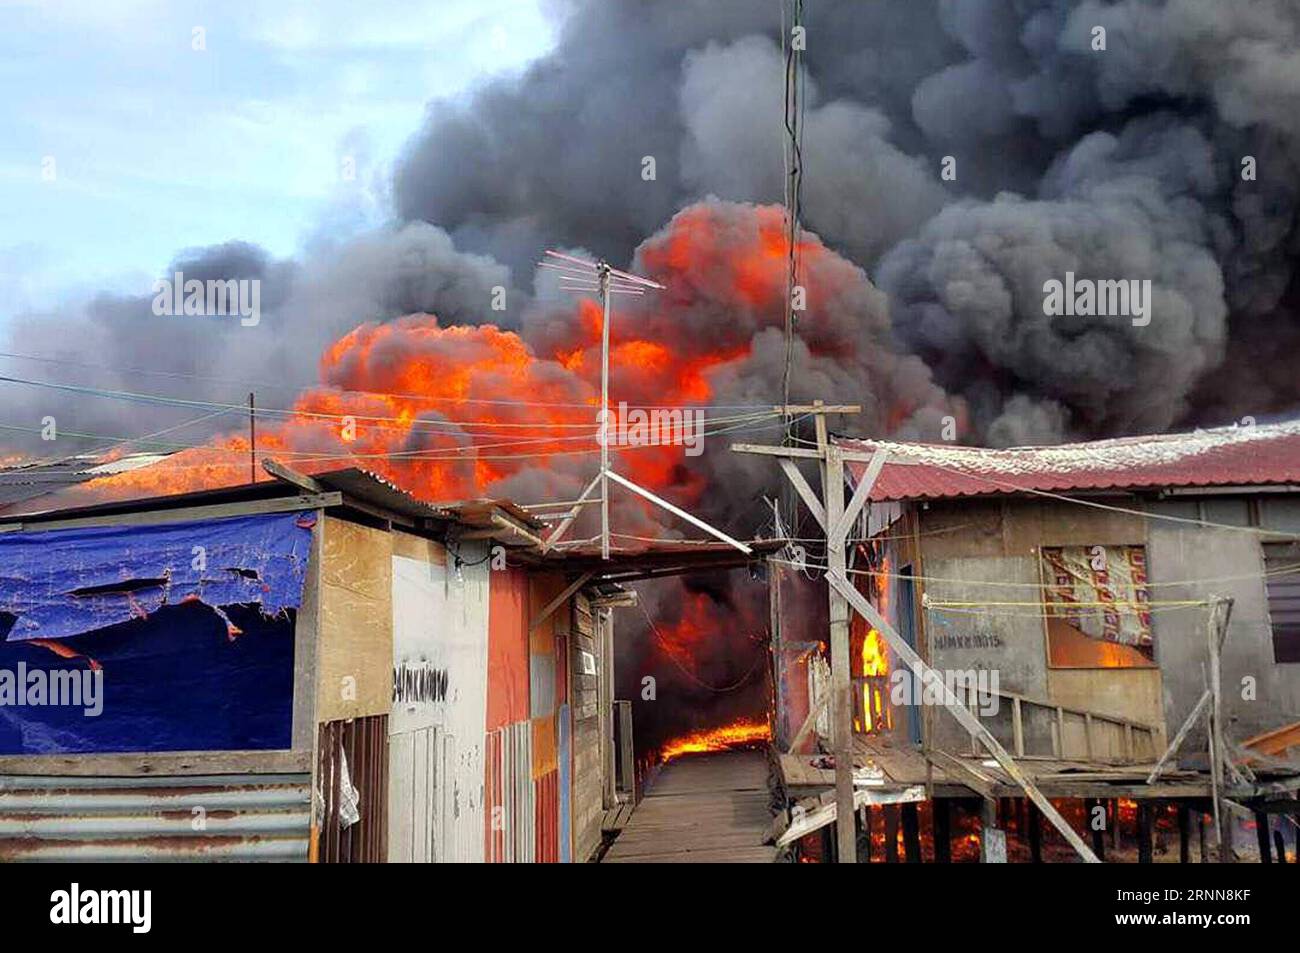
column 155, row 145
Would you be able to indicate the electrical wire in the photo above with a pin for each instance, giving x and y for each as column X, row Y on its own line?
column 760, row 656
column 307, row 385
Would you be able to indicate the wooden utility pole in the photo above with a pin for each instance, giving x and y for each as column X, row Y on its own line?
column 832, row 475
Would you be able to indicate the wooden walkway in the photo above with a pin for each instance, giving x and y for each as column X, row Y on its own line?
column 706, row 808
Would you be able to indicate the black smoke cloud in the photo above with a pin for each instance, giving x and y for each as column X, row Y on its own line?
column 1115, row 163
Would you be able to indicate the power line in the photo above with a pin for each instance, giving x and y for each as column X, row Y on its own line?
column 308, row 385
column 406, row 425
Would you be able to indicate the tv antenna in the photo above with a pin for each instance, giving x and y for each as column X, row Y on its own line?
column 578, row 274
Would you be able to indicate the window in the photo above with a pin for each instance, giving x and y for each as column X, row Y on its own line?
column 1282, row 583
column 1098, row 608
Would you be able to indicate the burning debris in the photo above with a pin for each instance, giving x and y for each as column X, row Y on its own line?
column 729, row 737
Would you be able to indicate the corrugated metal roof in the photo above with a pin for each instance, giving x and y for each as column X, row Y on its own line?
column 1259, row 455
column 31, row 481
column 214, row 817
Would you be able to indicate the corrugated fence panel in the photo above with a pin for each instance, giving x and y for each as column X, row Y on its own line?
column 186, row 818
column 510, row 835
column 546, row 791
column 565, row 783
column 355, row 752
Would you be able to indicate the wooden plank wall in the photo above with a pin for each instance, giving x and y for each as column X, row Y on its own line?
column 588, row 781
column 355, row 655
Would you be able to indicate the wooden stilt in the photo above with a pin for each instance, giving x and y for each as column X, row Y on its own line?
column 828, row 843
column 1144, row 832
column 1033, row 819
column 1280, row 843
column 1200, row 833
column 993, row 841
column 942, row 812
column 1262, row 835
column 1184, row 833
column 911, row 833
column 864, row 834
column 1098, row 834
column 891, row 833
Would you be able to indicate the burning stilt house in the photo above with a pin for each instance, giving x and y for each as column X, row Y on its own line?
column 1094, row 606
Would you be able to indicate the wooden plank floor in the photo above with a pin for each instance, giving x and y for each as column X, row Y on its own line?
column 706, row 808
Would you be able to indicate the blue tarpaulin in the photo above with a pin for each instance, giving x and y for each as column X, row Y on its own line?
column 67, row 582
column 177, row 637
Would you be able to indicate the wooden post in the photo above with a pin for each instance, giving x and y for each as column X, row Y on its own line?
column 841, row 681
column 1144, row 831
column 780, row 729
column 1280, row 844
column 1098, row 833
column 891, row 833
column 1216, row 629
column 864, row 834
column 1034, row 821
column 941, row 811
column 1200, row 834
column 1262, row 835
column 1184, row 833
column 993, row 841
column 911, row 833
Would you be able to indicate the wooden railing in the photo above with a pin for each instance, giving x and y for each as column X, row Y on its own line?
column 1104, row 738
column 1075, row 734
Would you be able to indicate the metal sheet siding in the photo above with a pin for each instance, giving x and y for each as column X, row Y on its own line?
column 511, row 824
column 182, row 818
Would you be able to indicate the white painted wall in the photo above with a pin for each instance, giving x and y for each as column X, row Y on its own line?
column 440, row 625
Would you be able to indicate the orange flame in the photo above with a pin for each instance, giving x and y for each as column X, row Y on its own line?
column 738, row 734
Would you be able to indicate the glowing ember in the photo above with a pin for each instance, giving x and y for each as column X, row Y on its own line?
column 738, row 734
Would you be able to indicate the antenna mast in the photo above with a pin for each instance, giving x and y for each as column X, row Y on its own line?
column 578, row 274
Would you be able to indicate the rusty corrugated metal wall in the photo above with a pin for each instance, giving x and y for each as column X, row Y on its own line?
column 209, row 817
column 511, row 821
column 361, row 745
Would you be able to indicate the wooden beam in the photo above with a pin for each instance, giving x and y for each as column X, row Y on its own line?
column 813, row 714
column 292, row 476
column 841, row 681
column 573, row 515
column 967, row 720
column 279, row 504
column 972, row 777
column 840, row 531
column 803, row 453
column 805, row 492
column 1181, row 736
column 559, row 600
column 807, row 822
